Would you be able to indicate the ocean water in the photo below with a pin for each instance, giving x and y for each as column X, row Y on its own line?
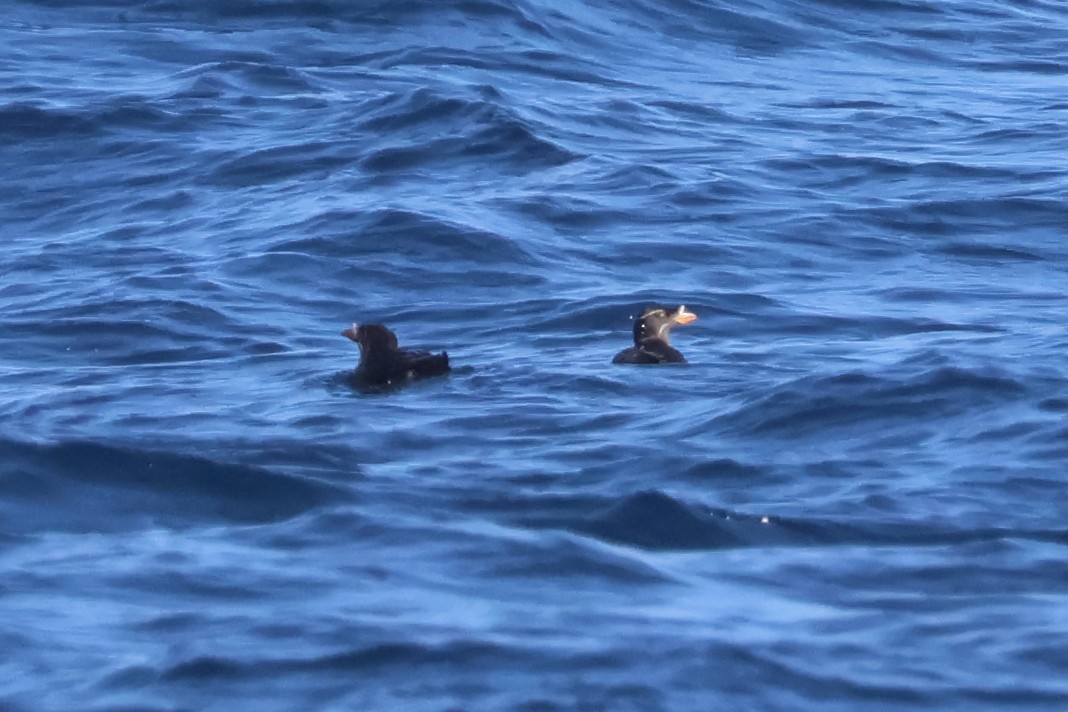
column 852, row 497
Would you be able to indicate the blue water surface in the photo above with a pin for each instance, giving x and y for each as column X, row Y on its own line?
column 852, row 497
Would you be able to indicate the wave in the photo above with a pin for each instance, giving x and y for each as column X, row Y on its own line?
column 379, row 657
column 124, row 332
column 117, row 115
column 812, row 405
column 403, row 233
column 258, row 167
column 422, row 128
column 653, row 520
column 23, row 120
column 83, row 486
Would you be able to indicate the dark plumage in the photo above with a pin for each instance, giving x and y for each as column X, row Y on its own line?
column 382, row 363
column 652, row 332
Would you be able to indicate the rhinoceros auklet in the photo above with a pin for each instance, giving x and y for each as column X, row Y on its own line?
column 651, row 336
column 382, row 363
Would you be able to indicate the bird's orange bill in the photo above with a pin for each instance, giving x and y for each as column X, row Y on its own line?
column 353, row 332
column 684, row 317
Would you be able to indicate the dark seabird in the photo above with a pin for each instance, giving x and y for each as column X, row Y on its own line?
column 652, row 331
column 382, row 363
